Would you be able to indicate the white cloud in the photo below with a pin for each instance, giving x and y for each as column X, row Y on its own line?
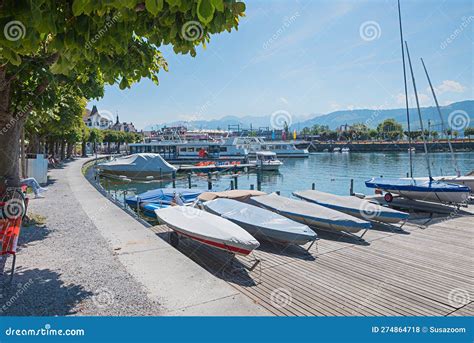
column 449, row 86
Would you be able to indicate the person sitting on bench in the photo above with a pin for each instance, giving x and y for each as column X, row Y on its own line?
column 35, row 186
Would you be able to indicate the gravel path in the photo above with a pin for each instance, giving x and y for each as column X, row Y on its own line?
column 67, row 268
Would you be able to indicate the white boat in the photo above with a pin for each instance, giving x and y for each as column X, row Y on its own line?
column 186, row 151
column 425, row 189
column 261, row 223
column 311, row 214
column 354, row 206
column 236, row 194
column 336, row 149
column 280, row 148
column 345, row 149
column 464, row 180
column 412, row 149
column 267, row 160
column 137, row 166
column 208, row 229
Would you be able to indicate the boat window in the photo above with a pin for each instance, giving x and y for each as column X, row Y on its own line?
column 182, row 149
column 223, row 149
column 190, row 149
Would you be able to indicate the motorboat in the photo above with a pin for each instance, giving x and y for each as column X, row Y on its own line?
column 280, row 148
column 311, row 214
column 137, row 166
column 354, row 206
column 261, row 223
column 336, row 149
column 207, row 228
column 345, row 149
column 267, row 161
column 424, row 189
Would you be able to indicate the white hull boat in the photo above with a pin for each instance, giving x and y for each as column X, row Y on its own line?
column 261, row 223
column 464, row 180
column 353, row 206
column 311, row 214
column 426, row 190
column 208, row 229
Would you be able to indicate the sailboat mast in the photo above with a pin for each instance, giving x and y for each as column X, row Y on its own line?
column 419, row 114
column 406, row 90
column 443, row 127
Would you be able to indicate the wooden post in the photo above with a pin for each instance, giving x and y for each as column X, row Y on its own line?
column 277, row 192
column 174, row 179
column 259, row 181
column 189, row 180
column 313, row 186
column 235, row 182
column 231, row 184
column 209, row 181
column 351, row 190
column 252, row 187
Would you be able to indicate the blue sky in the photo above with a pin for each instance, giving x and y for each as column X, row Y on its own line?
column 309, row 57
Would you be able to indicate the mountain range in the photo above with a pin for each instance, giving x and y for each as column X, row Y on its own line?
column 463, row 110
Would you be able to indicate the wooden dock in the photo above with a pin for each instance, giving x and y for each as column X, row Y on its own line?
column 425, row 271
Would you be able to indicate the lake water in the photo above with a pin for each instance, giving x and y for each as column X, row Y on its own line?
column 331, row 172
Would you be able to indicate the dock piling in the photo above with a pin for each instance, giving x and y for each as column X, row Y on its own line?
column 313, row 186
column 209, row 181
column 231, row 184
column 174, row 179
column 189, row 180
column 252, row 187
column 351, row 189
column 235, row 182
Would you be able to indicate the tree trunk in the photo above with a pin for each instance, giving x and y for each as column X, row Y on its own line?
column 34, row 144
column 118, row 147
column 62, row 149
column 69, row 149
column 84, row 148
column 10, row 132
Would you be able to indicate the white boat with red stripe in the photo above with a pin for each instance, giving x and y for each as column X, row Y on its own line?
column 206, row 228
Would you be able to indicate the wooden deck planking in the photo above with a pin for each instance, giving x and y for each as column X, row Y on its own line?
column 392, row 273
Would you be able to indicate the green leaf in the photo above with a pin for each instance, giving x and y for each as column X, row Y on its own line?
column 154, row 6
column 78, row 7
column 205, row 11
column 11, row 56
column 218, row 4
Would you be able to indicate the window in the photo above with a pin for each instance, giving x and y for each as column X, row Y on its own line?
column 223, row 149
column 190, row 149
column 182, row 149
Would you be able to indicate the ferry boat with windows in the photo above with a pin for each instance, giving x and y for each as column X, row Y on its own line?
column 280, row 148
column 192, row 151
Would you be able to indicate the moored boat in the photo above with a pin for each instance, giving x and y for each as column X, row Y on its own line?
column 267, row 160
column 425, row 189
column 208, row 229
column 353, row 206
column 261, row 223
column 164, row 196
column 311, row 214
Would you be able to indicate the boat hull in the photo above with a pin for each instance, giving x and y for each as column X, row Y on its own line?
column 467, row 181
column 353, row 206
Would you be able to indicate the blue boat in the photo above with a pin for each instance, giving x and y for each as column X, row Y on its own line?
column 164, row 195
column 416, row 189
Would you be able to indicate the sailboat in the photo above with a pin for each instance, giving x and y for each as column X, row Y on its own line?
column 427, row 189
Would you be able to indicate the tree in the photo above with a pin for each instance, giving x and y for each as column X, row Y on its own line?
column 469, row 131
column 95, row 136
column 87, row 43
column 390, row 129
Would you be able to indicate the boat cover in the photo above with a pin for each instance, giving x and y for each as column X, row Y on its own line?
column 414, row 185
column 140, row 163
column 240, row 195
column 352, row 205
column 208, row 228
column 313, row 212
column 165, row 196
column 261, row 222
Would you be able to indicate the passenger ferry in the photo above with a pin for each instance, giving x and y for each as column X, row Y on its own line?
column 280, row 148
column 191, row 151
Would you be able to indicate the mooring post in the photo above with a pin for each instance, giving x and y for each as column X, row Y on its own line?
column 277, row 192
column 235, row 182
column 259, row 181
column 252, row 187
column 189, row 180
column 351, row 190
column 209, row 181
column 231, row 184
column 174, row 179
column 313, row 186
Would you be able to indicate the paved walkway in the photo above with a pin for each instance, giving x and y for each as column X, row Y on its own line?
column 92, row 258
